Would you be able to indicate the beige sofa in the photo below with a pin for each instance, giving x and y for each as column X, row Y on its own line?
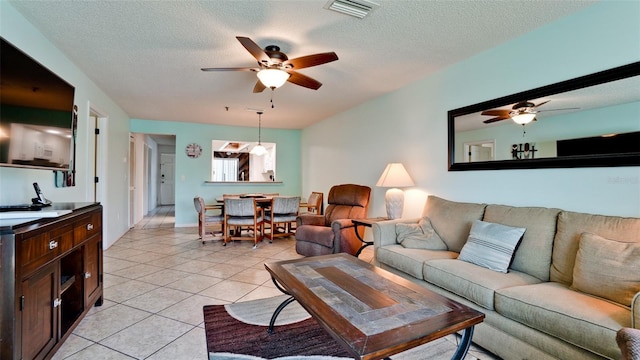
column 538, row 309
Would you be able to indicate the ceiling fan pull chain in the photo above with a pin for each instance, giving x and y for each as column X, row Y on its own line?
column 272, row 105
column 524, row 130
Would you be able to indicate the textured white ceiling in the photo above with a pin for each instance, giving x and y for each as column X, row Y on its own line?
column 147, row 55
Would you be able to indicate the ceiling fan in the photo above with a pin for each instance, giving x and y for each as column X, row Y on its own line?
column 275, row 68
column 522, row 112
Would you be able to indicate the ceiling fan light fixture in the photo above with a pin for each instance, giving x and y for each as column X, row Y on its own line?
column 273, row 78
column 523, row 118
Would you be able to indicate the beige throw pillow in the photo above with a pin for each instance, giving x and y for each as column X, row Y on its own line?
column 607, row 268
column 419, row 236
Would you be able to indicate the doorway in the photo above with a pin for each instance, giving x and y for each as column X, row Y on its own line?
column 99, row 121
column 167, row 179
column 479, row 151
column 132, row 178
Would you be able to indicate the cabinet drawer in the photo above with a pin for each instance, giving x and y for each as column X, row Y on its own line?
column 86, row 227
column 37, row 250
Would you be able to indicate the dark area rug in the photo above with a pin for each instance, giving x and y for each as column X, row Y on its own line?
column 225, row 334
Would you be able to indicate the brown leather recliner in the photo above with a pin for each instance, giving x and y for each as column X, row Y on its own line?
column 333, row 232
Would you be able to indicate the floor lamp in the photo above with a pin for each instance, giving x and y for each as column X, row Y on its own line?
column 394, row 176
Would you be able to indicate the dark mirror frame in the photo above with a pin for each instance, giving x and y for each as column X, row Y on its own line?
column 617, row 159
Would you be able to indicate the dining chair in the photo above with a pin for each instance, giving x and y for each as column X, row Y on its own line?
column 243, row 213
column 281, row 215
column 314, row 203
column 206, row 218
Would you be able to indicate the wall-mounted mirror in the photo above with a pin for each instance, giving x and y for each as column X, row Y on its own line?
column 235, row 161
column 593, row 120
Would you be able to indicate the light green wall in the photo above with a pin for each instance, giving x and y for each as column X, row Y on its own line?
column 191, row 173
column 410, row 124
column 16, row 184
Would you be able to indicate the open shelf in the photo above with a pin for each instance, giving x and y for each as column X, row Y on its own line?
column 65, row 282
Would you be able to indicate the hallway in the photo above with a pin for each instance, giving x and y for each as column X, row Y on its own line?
column 160, row 217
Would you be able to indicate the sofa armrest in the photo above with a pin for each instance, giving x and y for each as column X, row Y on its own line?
column 310, row 219
column 384, row 232
column 635, row 311
column 629, row 343
column 346, row 239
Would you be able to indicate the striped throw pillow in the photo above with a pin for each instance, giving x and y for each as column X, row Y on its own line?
column 491, row 245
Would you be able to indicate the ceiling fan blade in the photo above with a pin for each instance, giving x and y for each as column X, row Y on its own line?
column 311, row 60
column 496, row 112
column 303, row 80
column 542, row 103
column 254, row 49
column 573, row 108
column 259, row 87
column 499, row 118
column 230, row 69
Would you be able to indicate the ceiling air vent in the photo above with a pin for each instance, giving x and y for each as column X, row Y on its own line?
column 356, row 8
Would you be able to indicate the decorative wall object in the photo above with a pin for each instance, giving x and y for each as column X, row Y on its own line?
column 602, row 104
column 193, row 150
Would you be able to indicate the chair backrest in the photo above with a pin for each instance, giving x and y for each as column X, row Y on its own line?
column 285, row 205
column 198, row 202
column 316, row 199
column 347, row 201
column 239, row 207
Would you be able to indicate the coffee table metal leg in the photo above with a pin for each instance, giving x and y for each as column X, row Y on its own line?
column 280, row 307
column 464, row 345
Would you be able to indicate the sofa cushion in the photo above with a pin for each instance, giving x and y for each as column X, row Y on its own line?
column 452, row 220
column 571, row 225
column 491, row 245
column 410, row 261
column 419, row 236
column 472, row 282
column 533, row 255
column 577, row 318
column 607, row 268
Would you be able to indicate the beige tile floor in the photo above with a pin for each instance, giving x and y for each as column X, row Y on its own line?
column 157, row 278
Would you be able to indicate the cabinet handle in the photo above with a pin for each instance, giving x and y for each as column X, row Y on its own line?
column 53, row 244
column 57, row 302
column 87, row 275
column 89, row 227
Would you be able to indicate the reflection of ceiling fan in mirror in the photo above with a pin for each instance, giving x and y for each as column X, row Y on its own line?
column 275, row 68
column 522, row 113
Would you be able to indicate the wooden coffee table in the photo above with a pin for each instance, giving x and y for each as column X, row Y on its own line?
column 370, row 311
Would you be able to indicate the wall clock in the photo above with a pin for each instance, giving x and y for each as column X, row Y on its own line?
column 193, row 150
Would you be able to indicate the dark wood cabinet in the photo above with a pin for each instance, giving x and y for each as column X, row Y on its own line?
column 51, row 277
column 39, row 307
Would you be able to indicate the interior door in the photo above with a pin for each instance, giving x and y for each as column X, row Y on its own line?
column 167, row 179
column 132, row 188
column 479, row 153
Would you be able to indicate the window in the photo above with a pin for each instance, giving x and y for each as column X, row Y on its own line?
column 233, row 161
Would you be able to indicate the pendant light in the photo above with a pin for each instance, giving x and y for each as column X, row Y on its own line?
column 259, row 150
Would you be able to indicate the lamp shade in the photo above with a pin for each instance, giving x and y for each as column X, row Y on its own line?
column 273, row 78
column 523, row 118
column 395, row 175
